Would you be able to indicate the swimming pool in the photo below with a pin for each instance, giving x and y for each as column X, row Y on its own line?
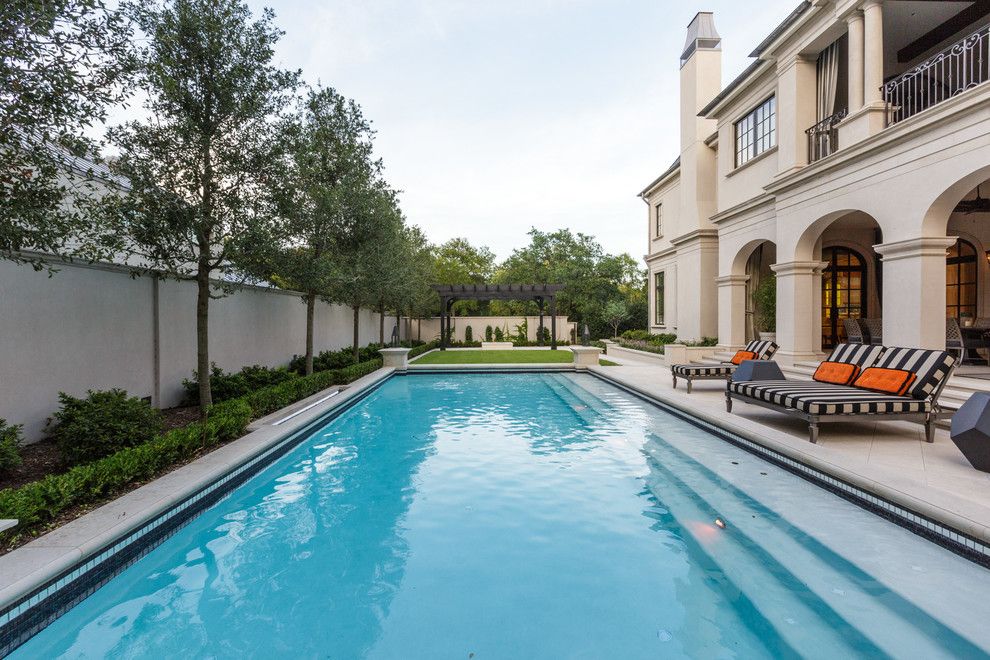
column 528, row 515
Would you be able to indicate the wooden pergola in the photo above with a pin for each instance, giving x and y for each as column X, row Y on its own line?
column 541, row 293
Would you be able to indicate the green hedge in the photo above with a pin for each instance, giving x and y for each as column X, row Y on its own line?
column 42, row 501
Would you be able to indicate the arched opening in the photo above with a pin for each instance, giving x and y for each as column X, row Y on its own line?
column 844, row 292
column 760, row 291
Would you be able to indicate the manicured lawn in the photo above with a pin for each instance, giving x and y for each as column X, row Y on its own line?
column 496, row 357
column 608, row 363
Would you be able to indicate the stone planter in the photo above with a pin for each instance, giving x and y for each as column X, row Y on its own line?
column 768, row 336
column 586, row 356
column 395, row 358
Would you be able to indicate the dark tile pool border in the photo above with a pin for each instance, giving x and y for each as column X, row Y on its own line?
column 960, row 543
column 33, row 612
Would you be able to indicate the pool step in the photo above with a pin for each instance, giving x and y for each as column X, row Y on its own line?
column 777, row 564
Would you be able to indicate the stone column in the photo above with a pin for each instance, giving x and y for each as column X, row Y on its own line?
column 855, row 61
column 732, row 310
column 872, row 51
column 796, row 91
column 798, row 294
column 914, row 291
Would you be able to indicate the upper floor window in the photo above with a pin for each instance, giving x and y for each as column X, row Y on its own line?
column 756, row 132
column 658, row 222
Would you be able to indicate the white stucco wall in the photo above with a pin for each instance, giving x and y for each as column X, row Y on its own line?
column 95, row 328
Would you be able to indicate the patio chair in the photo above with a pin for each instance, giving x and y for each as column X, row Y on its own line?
column 874, row 331
column 969, row 341
column 758, row 350
column 854, row 332
column 954, row 338
column 925, row 374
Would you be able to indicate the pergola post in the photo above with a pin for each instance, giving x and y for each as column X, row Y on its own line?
column 553, row 323
column 539, row 329
column 443, row 320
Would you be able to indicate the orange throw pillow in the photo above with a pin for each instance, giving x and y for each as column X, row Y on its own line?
column 742, row 355
column 837, row 373
column 888, row 381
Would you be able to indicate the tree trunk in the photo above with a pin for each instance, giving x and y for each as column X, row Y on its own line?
column 310, row 309
column 357, row 350
column 203, row 333
column 381, row 324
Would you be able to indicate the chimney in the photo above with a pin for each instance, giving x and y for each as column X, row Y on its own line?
column 701, row 81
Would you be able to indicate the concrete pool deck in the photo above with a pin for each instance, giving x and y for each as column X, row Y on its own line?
column 890, row 458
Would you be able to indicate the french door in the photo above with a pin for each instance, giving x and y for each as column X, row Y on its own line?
column 843, row 292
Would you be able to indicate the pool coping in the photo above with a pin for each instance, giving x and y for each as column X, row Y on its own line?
column 44, row 567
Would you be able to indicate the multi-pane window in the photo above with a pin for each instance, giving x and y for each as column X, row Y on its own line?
column 756, row 132
column 658, row 298
column 658, row 223
column 960, row 280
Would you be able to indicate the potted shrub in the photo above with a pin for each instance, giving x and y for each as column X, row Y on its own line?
column 765, row 300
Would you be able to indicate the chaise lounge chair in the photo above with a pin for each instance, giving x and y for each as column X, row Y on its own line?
column 924, row 372
column 755, row 350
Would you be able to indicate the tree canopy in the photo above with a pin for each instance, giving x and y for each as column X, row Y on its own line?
column 62, row 64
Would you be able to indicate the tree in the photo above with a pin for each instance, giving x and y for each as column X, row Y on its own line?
column 364, row 248
column 615, row 313
column 199, row 167
column 62, row 63
column 328, row 148
column 590, row 277
column 459, row 262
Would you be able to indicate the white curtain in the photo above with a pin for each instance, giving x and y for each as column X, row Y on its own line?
column 828, row 78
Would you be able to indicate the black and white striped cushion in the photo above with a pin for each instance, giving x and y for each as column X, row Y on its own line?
column 695, row 370
column 930, row 366
column 825, row 399
column 764, row 349
column 862, row 355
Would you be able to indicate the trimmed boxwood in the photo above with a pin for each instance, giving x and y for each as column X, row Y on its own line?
column 101, row 424
column 10, row 445
column 42, row 501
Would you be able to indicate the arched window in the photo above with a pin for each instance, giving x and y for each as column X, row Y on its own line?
column 960, row 280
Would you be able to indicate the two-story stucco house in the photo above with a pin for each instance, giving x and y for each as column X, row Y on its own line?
column 849, row 164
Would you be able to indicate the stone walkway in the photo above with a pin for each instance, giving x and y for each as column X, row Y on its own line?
column 893, row 454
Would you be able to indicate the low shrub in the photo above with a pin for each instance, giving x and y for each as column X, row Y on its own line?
column 44, row 500
column 101, row 424
column 422, row 348
column 267, row 400
column 226, row 386
column 10, row 445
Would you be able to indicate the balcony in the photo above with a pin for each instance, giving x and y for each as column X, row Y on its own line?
column 960, row 67
column 823, row 137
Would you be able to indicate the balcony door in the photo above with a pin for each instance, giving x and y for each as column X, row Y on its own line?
column 843, row 292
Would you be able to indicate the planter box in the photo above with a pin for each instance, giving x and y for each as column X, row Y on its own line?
column 631, row 353
column 496, row 345
column 681, row 354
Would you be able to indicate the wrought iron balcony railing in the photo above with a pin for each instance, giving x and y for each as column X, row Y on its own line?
column 962, row 66
column 823, row 137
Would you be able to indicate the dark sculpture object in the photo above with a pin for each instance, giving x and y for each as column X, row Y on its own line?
column 971, row 430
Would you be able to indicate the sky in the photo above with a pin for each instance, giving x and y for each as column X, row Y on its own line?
column 497, row 116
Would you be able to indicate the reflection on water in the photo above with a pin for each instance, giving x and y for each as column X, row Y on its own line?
column 525, row 515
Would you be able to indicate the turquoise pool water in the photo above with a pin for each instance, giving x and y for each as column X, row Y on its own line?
column 529, row 516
